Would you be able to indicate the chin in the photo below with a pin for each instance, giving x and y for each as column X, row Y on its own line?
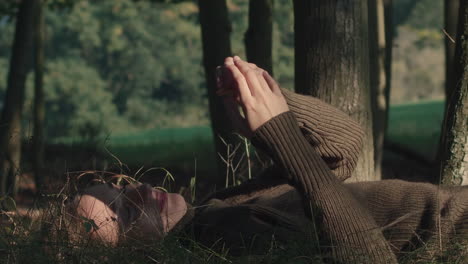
column 176, row 208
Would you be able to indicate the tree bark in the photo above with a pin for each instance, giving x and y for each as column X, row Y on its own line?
column 10, row 133
column 454, row 158
column 39, row 114
column 378, row 82
column 216, row 30
column 258, row 38
column 451, row 9
column 389, row 33
column 332, row 63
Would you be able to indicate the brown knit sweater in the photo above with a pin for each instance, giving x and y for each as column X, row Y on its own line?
column 315, row 147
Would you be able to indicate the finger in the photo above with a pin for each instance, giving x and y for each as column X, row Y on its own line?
column 239, row 122
column 224, row 82
column 250, row 75
column 240, row 83
column 228, row 60
column 259, row 71
column 272, row 83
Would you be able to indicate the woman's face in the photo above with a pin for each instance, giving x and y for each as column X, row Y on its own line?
column 136, row 210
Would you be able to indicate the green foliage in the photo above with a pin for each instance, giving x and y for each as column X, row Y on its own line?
column 77, row 99
column 3, row 78
column 418, row 14
column 124, row 65
column 283, row 43
column 7, row 203
column 141, row 50
column 118, row 65
column 427, row 14
column 283, row 37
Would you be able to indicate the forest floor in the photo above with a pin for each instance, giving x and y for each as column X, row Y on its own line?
column 415, row 128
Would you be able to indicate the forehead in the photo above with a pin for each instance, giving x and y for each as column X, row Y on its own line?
column 96, row 203
column 107, row 193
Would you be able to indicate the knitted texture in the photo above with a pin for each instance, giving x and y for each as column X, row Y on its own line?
column 314, row 147
column 348, row 228
column 333, row 134
column 368, row 222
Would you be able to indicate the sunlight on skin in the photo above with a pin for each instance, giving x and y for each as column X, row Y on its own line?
column 138, row 207
column 104, row 217
column 115, row 209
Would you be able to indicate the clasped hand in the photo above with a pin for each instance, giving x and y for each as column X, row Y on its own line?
column 258, row 94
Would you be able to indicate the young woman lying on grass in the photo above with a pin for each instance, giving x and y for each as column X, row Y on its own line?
column 301, row 198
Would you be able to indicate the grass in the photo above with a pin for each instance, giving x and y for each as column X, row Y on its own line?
column 165, row 146
column 415, row 126
column 22, row 241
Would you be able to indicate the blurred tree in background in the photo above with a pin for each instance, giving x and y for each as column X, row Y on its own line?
column 117, row 67
column 258, row 38
column 378, row 74
column 144, row 55
column 38, row 108
column 137, row 54
column 332, row 63
column 12, row 110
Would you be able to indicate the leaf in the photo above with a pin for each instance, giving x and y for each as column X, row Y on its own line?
column 89, row 224
column 7, row 203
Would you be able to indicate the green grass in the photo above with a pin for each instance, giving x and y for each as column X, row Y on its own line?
column 414, row 126
column 417, row 126
column 166, row 147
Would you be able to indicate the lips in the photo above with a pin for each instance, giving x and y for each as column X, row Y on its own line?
column 161, row 198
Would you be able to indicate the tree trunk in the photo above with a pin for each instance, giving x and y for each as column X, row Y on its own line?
column 378, row 82
column 451, row 9
column 389, row 32
column 38, row 137
column 258, row 38
column 10, row 133
column 332, row 63
column 216, row 29
column 454, row 154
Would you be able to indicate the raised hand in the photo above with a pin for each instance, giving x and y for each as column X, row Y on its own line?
column 254, row 90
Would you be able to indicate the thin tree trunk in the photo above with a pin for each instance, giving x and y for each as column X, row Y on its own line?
column 332, row 63
column 451, row 9
column 378, row 82
column 38, row 137
column 389, row 32
column 454, row 154
column 10, row 121
column 216, row 30
column 258, row 38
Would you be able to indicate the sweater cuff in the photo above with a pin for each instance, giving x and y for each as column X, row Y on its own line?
column 262, row 136
column 282, row 138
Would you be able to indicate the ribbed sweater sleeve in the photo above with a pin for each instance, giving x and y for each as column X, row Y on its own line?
column 347, row 229
column 333, row 134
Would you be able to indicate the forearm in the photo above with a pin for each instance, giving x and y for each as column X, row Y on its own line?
column 349, row 229
column 333, row 134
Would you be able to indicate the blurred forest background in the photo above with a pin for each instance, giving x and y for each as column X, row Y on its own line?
column 126, row 77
